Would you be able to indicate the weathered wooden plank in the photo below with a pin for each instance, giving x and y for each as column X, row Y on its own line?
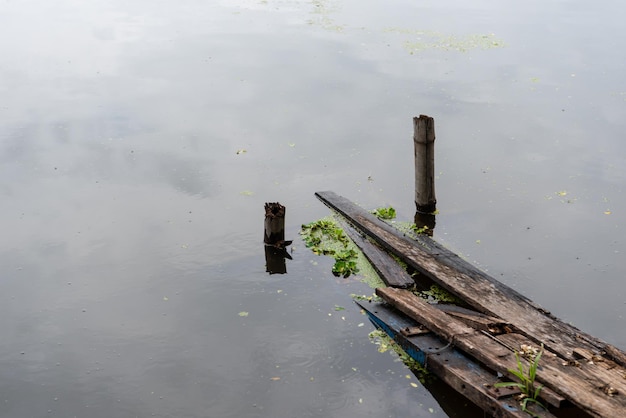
column 471, row 285
column 388, row 269
column 453, row 367
column 514, row 342
column 477, row 320
column 590, row 357
column 584, row 386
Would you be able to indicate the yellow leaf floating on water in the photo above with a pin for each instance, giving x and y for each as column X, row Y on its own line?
column 243, row 313
column 275, row 378
column 165, row 298
column 562, row 193
column 241, row 151
column 607, row 212
column 414, row 384
column 246, row 193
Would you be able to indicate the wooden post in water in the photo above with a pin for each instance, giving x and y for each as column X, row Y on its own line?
column 274, row 239
column 274, row 224
column 425, row 200
column 424, row 142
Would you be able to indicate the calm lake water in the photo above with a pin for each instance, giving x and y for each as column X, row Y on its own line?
column 133, row 271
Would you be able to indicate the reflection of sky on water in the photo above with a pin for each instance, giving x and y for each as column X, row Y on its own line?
column 121, row 184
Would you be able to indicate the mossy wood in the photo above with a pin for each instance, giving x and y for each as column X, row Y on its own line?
column 598, row 391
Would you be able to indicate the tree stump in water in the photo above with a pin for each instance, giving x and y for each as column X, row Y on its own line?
column 274, row 224
column 274, row 239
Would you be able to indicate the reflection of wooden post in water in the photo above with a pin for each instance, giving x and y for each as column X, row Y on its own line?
column 274, row 239
column 425, row 200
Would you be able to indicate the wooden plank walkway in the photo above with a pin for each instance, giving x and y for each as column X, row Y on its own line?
column 591, row 385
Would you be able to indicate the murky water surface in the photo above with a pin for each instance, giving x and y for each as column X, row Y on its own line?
column 133, row 273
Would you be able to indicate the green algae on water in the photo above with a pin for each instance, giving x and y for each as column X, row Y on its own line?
column 437, row 294
column 387, row 344
column 422, row 40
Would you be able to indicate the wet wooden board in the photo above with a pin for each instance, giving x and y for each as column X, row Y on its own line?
column 452, row 366
column 474, row 287
column 585, row 385
column 473, row 319
column 394, row 275
column 596, row 390
column 477, row 320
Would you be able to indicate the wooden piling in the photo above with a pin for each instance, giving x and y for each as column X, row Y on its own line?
column 424, row 143
column 274, row 239
column 274, row 224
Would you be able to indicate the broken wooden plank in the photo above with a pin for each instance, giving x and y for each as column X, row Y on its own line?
column 471, row 285
column 388, row 269
column 591, row 389
column 477, row 320
column 453, row 367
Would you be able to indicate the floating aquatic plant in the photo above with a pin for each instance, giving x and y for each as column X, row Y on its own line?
column 325, row 237
column 387, row 214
